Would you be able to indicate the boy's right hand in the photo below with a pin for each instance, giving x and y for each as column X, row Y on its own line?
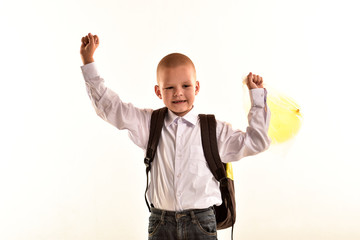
column 89, row 43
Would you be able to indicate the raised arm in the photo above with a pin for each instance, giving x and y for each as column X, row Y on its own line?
column 107, row 103
column 235, row 144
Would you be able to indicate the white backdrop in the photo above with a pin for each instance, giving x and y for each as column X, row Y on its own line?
column 67, row 174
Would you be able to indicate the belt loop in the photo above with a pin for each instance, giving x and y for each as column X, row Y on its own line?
column 163, row 217
column 193, row 216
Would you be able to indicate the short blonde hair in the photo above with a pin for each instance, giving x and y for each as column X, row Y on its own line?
column 174, row 60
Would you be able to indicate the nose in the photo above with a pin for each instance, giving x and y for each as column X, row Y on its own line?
column 178, row 92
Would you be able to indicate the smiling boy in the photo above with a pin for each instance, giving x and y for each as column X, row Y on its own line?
column 182, row 189
column 177, row 85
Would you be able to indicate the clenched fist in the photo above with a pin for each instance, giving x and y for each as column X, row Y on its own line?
column 254, row 81
column 89, row 43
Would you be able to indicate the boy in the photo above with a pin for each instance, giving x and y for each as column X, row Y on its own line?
column 182, row 190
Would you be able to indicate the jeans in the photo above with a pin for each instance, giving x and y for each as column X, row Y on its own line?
column 196, row 224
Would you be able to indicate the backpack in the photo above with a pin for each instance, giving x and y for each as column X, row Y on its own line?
column 225, row 213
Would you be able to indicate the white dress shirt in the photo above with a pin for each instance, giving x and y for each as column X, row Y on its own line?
column 180, row 176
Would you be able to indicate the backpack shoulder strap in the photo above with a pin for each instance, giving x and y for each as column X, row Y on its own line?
column 210, row 148
column 225, row 213
column 156, row 124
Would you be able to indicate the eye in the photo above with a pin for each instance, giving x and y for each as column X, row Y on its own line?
column 168, row 88
column 186, row 86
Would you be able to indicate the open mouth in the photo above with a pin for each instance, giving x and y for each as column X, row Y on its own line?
column 179, row 101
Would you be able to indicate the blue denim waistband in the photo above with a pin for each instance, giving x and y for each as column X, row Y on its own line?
column 175, row 214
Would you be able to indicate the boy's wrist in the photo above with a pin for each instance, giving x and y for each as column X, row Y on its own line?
column 87, row 60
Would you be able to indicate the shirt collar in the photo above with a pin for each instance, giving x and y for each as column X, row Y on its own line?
column 191, row 117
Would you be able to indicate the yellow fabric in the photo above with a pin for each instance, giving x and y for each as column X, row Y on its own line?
column 229, row 171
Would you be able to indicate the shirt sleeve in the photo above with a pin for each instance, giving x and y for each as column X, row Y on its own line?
column 235, row 144
column 109, row 107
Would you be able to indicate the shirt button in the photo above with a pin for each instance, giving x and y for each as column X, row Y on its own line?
column 179, row 175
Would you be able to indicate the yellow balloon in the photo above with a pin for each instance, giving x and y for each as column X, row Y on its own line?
column 286, row 117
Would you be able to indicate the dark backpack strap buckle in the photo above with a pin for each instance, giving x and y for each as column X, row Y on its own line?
column 147, row 162
column 223, row 182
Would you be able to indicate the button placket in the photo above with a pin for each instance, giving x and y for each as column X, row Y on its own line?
column 178, row 156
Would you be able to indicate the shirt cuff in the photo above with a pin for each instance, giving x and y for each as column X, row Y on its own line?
column 258, row 97
column 89, row 71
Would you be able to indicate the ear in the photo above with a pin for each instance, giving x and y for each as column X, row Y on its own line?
column 157, row 91
column 197, row 87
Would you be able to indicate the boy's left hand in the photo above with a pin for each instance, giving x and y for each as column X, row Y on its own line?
column 254, row 81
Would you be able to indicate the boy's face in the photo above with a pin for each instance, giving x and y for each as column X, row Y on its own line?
column 177, row 88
